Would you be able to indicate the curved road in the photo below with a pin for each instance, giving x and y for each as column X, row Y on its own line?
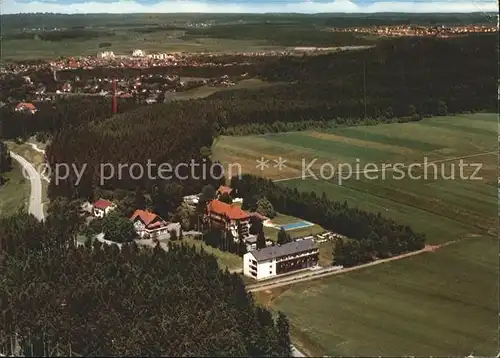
column 35, row 202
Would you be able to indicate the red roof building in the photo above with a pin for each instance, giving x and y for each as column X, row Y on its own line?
column 228, row 217
column 102, row 204
column 102, row 207
column 26, row 107
column 231, row 212
column 148, row 224
column 224, row 190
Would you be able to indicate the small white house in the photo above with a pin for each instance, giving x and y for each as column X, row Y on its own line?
column 191, row 199
column 102, row 207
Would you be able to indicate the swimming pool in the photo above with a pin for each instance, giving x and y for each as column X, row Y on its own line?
column 297, row 225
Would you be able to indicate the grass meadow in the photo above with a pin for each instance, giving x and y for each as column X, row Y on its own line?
column 444, row 209
column 123, row 43
column 15, row 192
column 440, row 303
column 205, row 91
column 435, row 304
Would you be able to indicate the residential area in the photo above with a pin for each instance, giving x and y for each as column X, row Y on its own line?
column 265, row 249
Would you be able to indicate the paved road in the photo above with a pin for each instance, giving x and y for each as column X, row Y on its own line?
column 75, row 94
column 35, row 202
column 297, row 353
column 35, row 147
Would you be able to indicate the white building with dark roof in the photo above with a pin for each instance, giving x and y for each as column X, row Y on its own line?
column 278, row 260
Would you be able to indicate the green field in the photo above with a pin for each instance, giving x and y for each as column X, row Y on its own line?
column 442, row 303
column 436, row 304
column 282, row 219
column 444, row 209
column 86, row 35
column 225, row 259
column 205, row 91
column 15, row 192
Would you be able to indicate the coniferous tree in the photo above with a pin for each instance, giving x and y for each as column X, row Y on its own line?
column 226, row 198
column 74, row 291
column 283, row 237
column 283, row 328
column 261, row 240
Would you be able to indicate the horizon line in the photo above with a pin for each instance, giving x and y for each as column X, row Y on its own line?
column 253, row 13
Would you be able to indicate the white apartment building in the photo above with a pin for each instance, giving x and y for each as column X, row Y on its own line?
column 277, row 260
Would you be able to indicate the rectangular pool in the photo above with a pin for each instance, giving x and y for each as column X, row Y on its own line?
column 297, row 225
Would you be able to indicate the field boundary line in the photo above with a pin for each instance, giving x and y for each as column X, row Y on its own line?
column 313, row 276
column 391, row 168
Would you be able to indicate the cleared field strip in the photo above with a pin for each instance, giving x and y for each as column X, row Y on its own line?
column 438, row 304
column 444, row 209
column 333, row 271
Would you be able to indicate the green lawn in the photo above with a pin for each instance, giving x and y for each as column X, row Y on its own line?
column 205, row 91
column 14, row 194
column 444, row 209
column 123, row 43
column 225, row 259
column 443, row 303
column 435, row 304
column 282, row 219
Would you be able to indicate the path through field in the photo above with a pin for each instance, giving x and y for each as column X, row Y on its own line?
column 286, row 281
column 390, row 168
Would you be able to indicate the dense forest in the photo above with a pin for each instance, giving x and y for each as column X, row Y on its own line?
column 370, row 236
column 173, row 142
column 5, row 162
column 63, row 300
column 62, row 114
column 398, row 78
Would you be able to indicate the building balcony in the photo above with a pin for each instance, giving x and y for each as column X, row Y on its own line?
column 293, row 257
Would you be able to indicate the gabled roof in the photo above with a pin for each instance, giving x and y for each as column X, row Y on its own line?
column 224, row 189
column 102, row 204
column 259, row 216
column 27, row 105
column 231, row 211
column 291, row 248
column 148, row 218
column 145, row 216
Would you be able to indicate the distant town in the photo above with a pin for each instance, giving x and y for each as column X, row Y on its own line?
column 409, row 30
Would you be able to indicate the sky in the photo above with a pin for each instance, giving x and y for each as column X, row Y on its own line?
column 244, row 6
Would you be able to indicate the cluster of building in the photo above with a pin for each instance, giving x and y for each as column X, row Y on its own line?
column 409, row 30
column 147, row 225
column 267, row 262
column 259, row 264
